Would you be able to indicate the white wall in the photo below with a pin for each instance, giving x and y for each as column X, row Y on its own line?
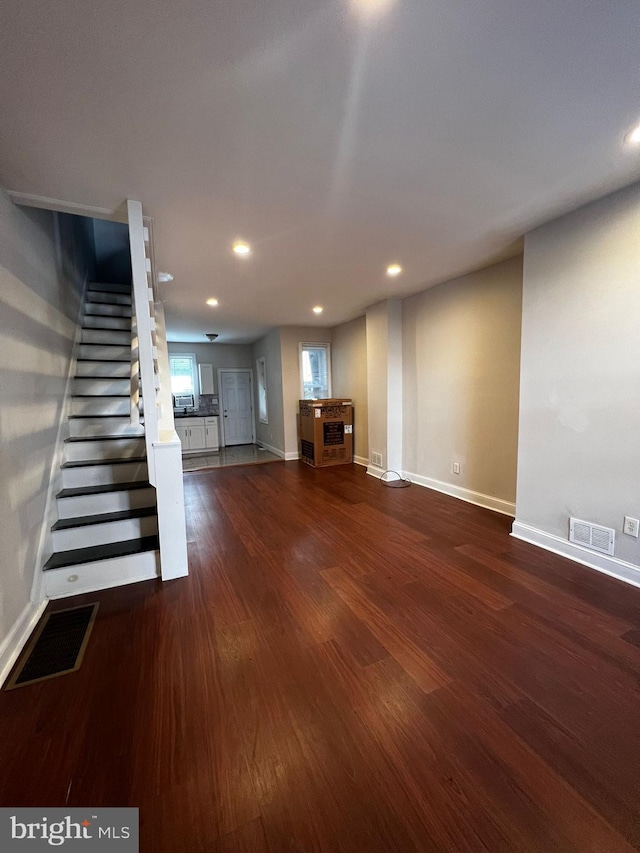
column 461, row 378
column 349, row 368
column 42, row 271
column 290, row 339
column 272, row 433
column 580, row 390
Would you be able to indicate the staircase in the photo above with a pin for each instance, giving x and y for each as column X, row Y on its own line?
column 107, row 528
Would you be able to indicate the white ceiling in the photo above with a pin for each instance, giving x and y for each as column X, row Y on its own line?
column 434, row 134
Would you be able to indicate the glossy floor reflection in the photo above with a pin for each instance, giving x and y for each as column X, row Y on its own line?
column 242, row 454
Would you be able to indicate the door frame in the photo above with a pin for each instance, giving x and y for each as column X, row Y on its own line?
column 221, row 370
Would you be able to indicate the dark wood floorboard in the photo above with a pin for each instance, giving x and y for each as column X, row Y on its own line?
column 347, row 668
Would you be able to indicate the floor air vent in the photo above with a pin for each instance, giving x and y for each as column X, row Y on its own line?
column 57, row 647
column 592, row 536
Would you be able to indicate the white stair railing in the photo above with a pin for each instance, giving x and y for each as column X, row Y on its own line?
column 164, row 451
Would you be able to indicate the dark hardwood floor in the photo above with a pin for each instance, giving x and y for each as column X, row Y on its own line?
column 347, row 668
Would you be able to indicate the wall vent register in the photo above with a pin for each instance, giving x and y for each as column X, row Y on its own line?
column 592, row 536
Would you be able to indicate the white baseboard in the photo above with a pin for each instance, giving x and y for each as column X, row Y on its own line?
column 17, row 637
column 374, row 471
column 102, row 574
column 611, row 566
column 467, row 495
column 291, row 455
column 361, row 460
column 275, row 450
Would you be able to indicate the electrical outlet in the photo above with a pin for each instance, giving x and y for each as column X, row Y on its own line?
column 631, row 526
column 456, row 467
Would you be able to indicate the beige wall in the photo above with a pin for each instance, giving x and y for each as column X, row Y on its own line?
column 349, row 370
column 271, row 434
column 377, row 360
column 461, row 354
column 42, row 272
column 580, row 405
column 290, row 339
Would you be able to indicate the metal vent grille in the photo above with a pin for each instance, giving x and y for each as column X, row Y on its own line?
column 592, row 536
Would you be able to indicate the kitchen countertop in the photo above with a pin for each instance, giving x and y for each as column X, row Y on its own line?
column 194, row 415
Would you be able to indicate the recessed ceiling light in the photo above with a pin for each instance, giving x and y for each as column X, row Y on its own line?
column 371, row 8
column 634, row 136
column 165, row 276
column 212, row 301
column 241, row 248
column 318, row 309
column 393, row 270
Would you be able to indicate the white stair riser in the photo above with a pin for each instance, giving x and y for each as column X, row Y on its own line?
column 98, row 351
column 100, row 475
column 92, row 322
column 101, row 574
column 101, row 406
column 97, row 298
column 101, row 309
column 103, row 426
column 115, row 369
column 86, row 451
column 106, row 336
column 103, row 534
column 102, row 387
column 105, row 502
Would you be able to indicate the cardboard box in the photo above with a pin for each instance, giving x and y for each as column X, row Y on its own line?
column 325, row 432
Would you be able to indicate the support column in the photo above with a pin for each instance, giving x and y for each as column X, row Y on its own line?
column 384, row 380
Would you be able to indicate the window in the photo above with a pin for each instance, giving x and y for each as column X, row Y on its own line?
column 315, row 371
column 261, row 372
column 183, row 373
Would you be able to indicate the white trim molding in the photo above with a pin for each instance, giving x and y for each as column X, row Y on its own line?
column 118, row 214
column 374, row 471
column 467, row 495
column 291, row 456
column 361, row 460
column 275, row 450
column 611, row 566
column 18, row 636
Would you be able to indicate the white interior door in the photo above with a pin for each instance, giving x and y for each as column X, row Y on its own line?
column 237, row 406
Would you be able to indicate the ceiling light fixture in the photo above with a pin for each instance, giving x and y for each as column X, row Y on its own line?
column 318, row 309
column 213, row 302
column 393, row 270
column 633, row 137
column 211, row 335
column 165, row 277
column 241, row 248
column 370, row 9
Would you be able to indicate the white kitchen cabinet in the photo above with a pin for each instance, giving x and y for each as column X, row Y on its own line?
column 212, row 436
column 183, row 435
column 198, row 434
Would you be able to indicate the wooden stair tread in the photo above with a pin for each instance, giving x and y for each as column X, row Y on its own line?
column 83, row 491
column 104, row 517
column 94, row 553
column 124, row 437
column 83, row 463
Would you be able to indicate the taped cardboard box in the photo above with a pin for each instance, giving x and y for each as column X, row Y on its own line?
column 325, row 432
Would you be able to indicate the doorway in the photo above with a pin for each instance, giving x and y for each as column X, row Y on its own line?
column 236, row 406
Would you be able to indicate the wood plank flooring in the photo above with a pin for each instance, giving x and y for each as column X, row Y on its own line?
column 347, row 668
